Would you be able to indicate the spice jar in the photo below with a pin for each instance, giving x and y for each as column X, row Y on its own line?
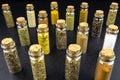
column 83, row 12
column 43, row 37
column 54, row 12
column 61, row 34
column 97, row 23
column 110, row 36
column 73, row 58
column 11, row 55
column 42, row 17
column 8, row 15
column 105, row 64
column 70, row 17
column 37, row 62
column 82, row 36
column 112, row 13
column 23, row 31
column 31, row 15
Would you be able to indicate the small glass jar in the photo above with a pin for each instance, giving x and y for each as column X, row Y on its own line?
column 8, row 15
column 110, row 36
column 11, row 55
column 73, row 58
column 43, row 37
column 61, row 34
column 23, row 31
column 112, row 13
column 83, row 12
column 70, row 17
column 97, row 23
column 82, row 36
column 54, row 12
column 105, row 64
column 37, row 62
column 31, row 15
column 42, row 17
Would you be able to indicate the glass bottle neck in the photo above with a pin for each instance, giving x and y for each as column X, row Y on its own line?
column 54, row 8
column 84, row 8
column 22, row 25
column 111, row 32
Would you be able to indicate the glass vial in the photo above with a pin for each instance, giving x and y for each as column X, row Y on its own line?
column 83, row 12
column 11, row 55
column 23, row 31
column 43, row 37
column 8, row 15
column 42, row 17
column 110, row 36
column 97, row 23
column 73, row 58
column 82, row 36
column 61, row 34
column 70, row 17
column 37, row 62
column 112, row 13
column 31, row 15
column 54, row 12
column 105, row 64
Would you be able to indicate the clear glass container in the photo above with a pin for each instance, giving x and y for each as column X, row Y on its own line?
column 37, row 61
column 110, row 36
column 105, row 64
column 61, row 34
column 73, row 58
column 11, row 55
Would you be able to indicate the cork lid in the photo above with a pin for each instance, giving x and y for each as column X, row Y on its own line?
column 84, row 5
column 54, row 4
column 29, row 6
column 60, row 23
column 114, row 5
column 83, row 25
column 7, row 42
column 5, row 6
column 99, row 13
column 113, row 27
column 20, row 20
column 42, row 13
column 42, row 27
column 70, row 8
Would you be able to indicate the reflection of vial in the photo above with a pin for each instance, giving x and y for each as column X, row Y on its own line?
column 43, row 37
column 112, row 13
column 105, row 64
column 11, row 55
column 73, row 58
column 37, row 62
column 8, row 15
column 110, row 36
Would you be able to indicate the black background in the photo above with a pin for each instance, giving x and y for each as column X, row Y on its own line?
column 55, row 61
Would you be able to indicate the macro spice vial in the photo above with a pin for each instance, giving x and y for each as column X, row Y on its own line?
column 105, row 64
column 23, row 31
column 43, row 37
column 97, row 23
column 11, row 55
column 82, row 36
column 61, row 34
column 112, row 13
column 8, row 15
column 37, row 62
column 73, row 58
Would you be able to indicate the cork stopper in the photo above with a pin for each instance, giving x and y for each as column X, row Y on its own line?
column 70, row 8
column 42, row 27
column 60, row 23
column 29, row 6
column 42, row 13
column 54, row 4
column 99, row 13
column 113, row 27
column 114, row 5
column 83, row 25
column 20, row 20
column 5, row 6
column 7, row 42
column 84, row 5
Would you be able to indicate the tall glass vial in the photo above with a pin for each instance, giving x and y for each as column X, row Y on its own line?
column 37, row 62
column 73, row 58
column 97, row 23
column 61, row 34
column 43, row 37
column 23, row 31
column 105, row 64
column 110, row 36
column 42, row 17
column 70, row 17
column 8, row 15
column 82, row 36
column 31, row 15
column 112, row 13
column 83, row 12
column 54, row 12
column 11, row 55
